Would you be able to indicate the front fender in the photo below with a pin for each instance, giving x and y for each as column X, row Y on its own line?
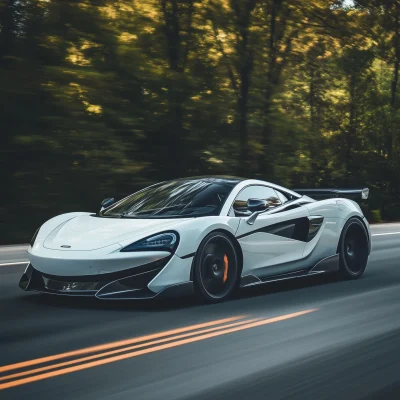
column 50, row 225
column 193, row 232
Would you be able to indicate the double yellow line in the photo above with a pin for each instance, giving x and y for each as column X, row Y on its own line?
column 77, row 360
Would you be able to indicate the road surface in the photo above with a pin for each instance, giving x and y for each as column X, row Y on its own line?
column 304, row 339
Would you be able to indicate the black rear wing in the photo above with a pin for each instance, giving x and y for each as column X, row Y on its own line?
column 357, row 194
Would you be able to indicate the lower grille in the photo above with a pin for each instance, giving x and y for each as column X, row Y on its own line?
column 60, row 286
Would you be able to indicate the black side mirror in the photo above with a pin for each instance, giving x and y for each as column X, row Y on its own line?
column 257, row 205
column 107, row 202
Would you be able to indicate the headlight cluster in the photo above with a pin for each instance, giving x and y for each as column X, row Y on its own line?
column 166, row 241
column 32, row 242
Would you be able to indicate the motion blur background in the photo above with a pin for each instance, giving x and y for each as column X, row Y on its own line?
column 101, row 98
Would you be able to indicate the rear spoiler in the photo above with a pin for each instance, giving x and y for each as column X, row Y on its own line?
column 327, row 193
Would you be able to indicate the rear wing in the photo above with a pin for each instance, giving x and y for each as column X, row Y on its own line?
column 359, row 194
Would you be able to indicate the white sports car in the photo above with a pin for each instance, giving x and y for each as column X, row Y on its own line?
column 210, row 235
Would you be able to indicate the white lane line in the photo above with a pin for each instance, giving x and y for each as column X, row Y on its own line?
column 14, row 263
column 387, row 233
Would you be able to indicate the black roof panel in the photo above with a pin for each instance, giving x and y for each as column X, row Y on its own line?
column 212, row 178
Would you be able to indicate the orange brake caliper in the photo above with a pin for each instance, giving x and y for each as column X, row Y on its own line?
column 225, row 268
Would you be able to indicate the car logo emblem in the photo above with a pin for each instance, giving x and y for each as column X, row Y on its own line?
column 66, row 246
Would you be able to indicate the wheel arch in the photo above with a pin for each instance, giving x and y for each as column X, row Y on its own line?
column 235, row 243
column 366, row 232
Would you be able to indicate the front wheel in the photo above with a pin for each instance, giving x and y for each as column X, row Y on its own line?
column 216, row 268
column 353, row 249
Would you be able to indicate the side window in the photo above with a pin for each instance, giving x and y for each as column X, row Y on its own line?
column 254, row 192
column 281, row 196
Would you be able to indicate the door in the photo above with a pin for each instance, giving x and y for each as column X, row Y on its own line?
column 276, row 239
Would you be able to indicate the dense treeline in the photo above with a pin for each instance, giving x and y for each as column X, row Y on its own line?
column 99, row 98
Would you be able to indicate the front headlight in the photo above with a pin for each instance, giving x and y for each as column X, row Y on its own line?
column 32, row 242
column 166, row 241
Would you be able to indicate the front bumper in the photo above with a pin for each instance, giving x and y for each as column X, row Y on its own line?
column 134, row 283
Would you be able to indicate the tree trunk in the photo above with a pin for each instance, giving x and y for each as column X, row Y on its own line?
column 245, row 71
column 243, row 113
column 394, row 81
column 174, row 145
column 351, row 131
column 265, row 165
column 243, row 11
column 8, row 25
column 313, row 133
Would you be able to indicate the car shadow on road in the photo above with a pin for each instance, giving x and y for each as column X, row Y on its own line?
column 91, row 303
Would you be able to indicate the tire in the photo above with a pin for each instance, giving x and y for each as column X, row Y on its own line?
column 216, row 268
column 353, row 249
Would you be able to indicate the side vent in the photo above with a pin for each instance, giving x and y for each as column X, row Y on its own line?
column 315, row 223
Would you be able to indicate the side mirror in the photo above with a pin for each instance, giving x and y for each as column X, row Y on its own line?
column 255, row 205
column 107, row 202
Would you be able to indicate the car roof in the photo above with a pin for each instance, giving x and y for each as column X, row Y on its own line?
column 237, row 180
column 219, row 178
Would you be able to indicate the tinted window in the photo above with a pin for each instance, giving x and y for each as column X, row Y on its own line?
column 281, row 196
column 174, row 199
column 254, row 192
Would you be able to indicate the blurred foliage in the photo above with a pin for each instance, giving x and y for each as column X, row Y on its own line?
column 100, row 98
column 375, row 216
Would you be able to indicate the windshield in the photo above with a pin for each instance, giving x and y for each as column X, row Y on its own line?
column 174, row 199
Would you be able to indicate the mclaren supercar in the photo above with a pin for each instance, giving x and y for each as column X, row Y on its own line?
column 207, row 235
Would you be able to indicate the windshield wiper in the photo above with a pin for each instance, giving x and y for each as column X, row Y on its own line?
column 126, row 215
column 134, row 216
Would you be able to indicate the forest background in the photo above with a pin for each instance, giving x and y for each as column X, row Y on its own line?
column 101, row 98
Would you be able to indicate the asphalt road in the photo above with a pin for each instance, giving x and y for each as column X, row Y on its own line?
column 304, row 339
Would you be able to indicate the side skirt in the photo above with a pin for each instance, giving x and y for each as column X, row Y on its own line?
column 326, row 265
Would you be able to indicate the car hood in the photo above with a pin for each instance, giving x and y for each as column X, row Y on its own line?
column 90, row 233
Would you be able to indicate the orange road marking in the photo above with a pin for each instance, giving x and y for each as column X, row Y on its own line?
column 107, row 346
column 150, row 350
column 123, row 349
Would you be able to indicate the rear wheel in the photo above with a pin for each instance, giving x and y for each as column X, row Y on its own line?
column 353, row 249
column 216, row 268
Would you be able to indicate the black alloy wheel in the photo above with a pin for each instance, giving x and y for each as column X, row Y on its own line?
column 353, row 249
column 216, row 268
